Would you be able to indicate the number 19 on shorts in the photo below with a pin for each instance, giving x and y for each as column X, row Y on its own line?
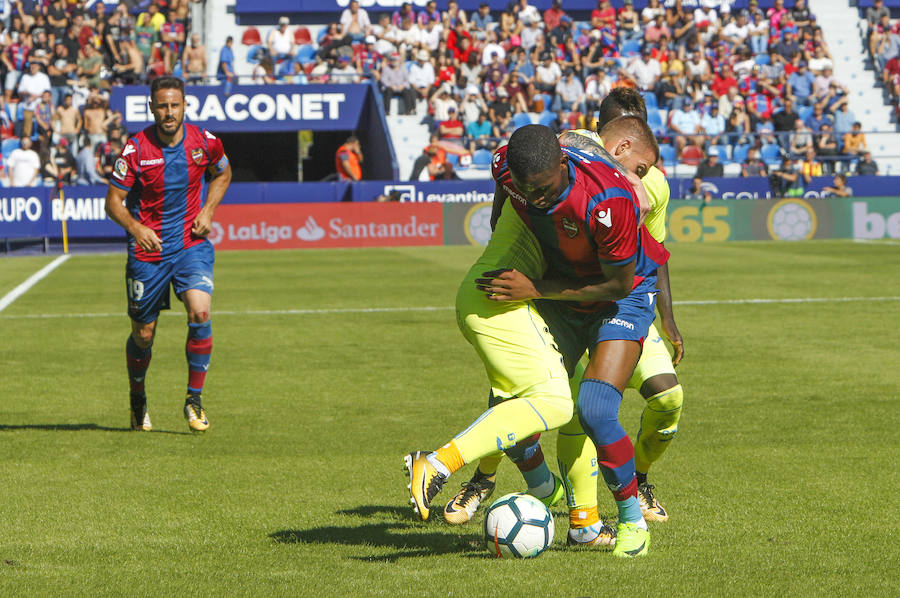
column 134, row 288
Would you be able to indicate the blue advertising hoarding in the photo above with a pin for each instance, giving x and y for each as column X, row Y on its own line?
column 253, row 108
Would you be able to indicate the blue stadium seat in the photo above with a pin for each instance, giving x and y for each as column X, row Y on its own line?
column 481, row 159
column 255, row 54
column 305, row 54
column 453, row 159
column 771, row 154
column 667, row 153
column 546, row 118
column 649, row 99
column 654, row 119
column 739, row 154
column 631, row 48
column 723, row 153
column 520, row 119
column 9, row 145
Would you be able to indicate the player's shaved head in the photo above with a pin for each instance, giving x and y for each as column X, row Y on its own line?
column 635, row 129
column 621, row 101
column 532, row 149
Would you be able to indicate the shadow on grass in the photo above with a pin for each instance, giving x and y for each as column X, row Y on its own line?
column 370, row 510
column 78, row 428
column 418, row 543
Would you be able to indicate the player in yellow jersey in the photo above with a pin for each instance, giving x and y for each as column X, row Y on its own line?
column 654, row 375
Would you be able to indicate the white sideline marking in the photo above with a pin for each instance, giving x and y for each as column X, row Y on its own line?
column 878, row 241
column 372, row 310
column 31, row 281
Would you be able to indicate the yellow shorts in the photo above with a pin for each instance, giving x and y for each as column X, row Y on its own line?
column 655, row 360
column 513, row 342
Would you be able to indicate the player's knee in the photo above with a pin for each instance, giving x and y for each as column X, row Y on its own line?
column 198, row 317
column 143, row 337
column 667, row 401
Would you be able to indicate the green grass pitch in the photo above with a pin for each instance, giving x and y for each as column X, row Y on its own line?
column 781, row 482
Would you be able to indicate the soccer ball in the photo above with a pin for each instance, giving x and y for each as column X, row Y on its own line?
column 518, row 525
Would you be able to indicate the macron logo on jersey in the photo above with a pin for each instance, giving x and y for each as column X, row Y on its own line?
column 129, row 149
column 604, row 217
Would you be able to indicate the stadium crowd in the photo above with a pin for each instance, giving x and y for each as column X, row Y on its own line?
column 58, row 60
column 753, row 87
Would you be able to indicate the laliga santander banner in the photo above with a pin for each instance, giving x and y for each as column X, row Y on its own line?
column 292, row 226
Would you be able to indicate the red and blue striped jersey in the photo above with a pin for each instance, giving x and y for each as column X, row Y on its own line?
column 593, row 223
column 166, row 185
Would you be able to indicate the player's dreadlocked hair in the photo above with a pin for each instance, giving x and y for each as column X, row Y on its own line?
column 166, row 83
column 621, row 101
column 532, row 149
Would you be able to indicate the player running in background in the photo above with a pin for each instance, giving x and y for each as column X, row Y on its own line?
column 567, row 199
column 654, row 375
column 156, row 195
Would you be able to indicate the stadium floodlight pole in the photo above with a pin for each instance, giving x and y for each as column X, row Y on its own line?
column 62, row 214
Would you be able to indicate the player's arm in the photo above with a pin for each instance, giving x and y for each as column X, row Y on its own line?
column 218, row 185
column 499, row 198
column 666, row 315
column 144, row 236
column 512, row 285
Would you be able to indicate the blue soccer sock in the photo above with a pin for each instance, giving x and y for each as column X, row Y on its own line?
column 197, row 349
column 137, row 360
column 598, row 411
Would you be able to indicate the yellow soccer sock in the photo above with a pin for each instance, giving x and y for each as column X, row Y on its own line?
column 577, row 458
column 450, row 456
column 659, row 423
column 488, row 465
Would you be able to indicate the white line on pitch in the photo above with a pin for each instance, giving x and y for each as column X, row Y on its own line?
column 371, row 310
column 31, row 281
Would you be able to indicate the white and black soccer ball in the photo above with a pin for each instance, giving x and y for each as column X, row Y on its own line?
column 792, row 221
column 518, row 525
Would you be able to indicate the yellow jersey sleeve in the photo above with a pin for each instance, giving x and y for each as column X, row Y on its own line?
column 512, row 245
column 658, row 192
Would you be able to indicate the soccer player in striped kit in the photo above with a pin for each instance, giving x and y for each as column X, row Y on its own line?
column 156, row 195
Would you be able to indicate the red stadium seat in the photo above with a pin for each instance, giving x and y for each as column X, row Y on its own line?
column 691, row 154
column 251, row 37
column 302, row 36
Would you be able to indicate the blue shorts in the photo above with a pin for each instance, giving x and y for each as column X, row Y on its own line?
column 574, row 331
column 147, row 283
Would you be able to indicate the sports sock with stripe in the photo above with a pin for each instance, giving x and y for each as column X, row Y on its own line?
column 197, row 350
column 137, row 361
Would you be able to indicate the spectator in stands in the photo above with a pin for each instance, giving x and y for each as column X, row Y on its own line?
column 888, row 47
column 801, row 140
column 62, row 66
column 500, row 113
column 596, row 88
column 685, row 123
column 32, row 85
column 815, row 120
column 656, row 30
column 225, row 68
column 405, row 11
column 645, row 70
column 843, row 120
column 348, row 160
column 628, row 23
column 264, row 71
column 454, row 15
column 668, row 90
column 14, row 58
column 43, row 115
column 604, row 16
column 394, row 81
column 711, row 166
column 482, row 20
column 827, row 148
column 810, row 167
column 280, row 43
column 193, row 62
column 57, row 18
column 421, row 75
column 172, row 35
column 866, row 166
column 433, row 159
column 753, row 166
column 547, row 74
column 442, row 101
column 553, row 15
column 23, row 165
column 355, row 21
column 838, row 187
column 345, row 71
column 67, row 121
column 697, row 190
column 151, row 18
column 95, row 117
column 855, row 141
column 451, row 129
column 785, row 119
column 59, row 167
column 480, row 134
column 723, row 81
column 800, row 85
column 569, row 93
column 697, row 67
column 89, row 66
column 713, row 124
column 786, row 181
